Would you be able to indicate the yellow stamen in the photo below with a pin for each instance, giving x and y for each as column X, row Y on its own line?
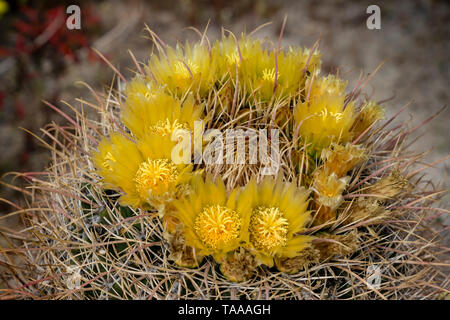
column 149, row 95
column 233, row 59
column 337, row 115
column 107, row 161
column 217, row 226
column 329, row 185
column 268, row 228
column 186, row 70
column 155, row 176
column 269, row 75
column 165, row 128
column 329, row 188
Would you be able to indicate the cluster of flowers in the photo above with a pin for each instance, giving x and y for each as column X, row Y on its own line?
column 234, row 82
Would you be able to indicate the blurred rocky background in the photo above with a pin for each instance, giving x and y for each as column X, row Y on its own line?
column 40, row 59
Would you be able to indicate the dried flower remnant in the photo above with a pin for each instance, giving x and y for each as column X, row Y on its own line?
column 390, row 186
column 306, row 257
column 180, row 253
column 370, row 113
column 239, row 265
column 365, row 208
column 340, row 159
column 329, row 189
column 328, row 197
column 331, row 245
column 330, row 180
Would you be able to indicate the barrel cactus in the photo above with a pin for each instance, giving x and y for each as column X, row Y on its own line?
column 320, row 197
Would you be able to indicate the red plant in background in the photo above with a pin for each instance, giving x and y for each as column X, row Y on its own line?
column 39, row 46
column 42, row 35
column 19, row 108
column 2, row 96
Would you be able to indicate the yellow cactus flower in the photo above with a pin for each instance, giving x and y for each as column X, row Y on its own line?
column 182, row 69
column 329, row 188
column 330, row 84
column 277, row 210
column 260, row 71
column 324, row 120
column 142, row 171
column 212, row 219
column 151, row 110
